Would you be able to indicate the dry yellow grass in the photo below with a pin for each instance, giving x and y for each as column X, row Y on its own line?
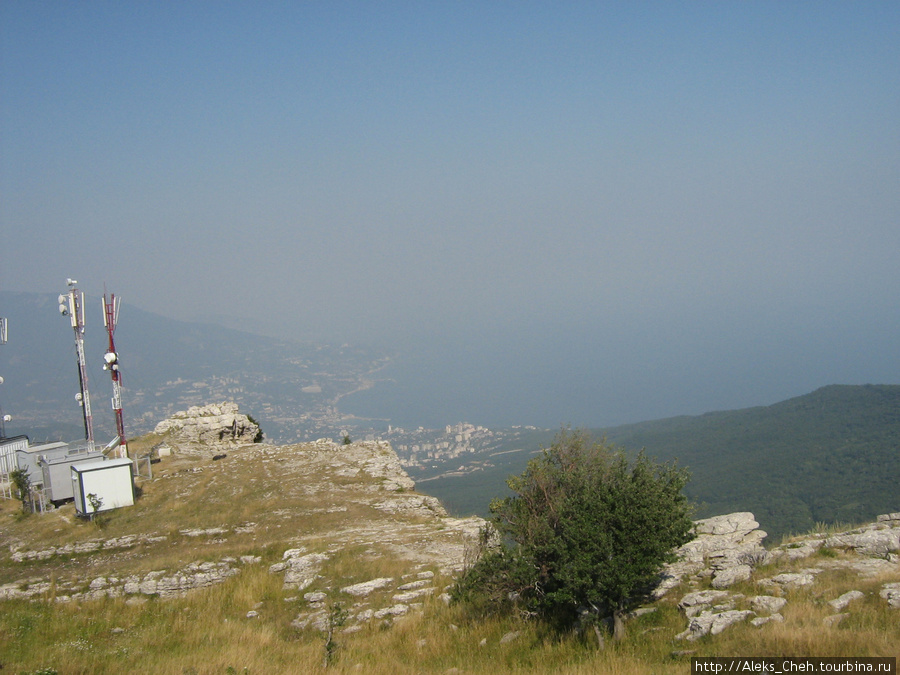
column 208, row 632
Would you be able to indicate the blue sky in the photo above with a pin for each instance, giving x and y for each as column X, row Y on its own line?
column 685, row 206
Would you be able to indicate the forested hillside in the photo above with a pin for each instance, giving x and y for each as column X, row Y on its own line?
column 829, row 456
column 832, row 456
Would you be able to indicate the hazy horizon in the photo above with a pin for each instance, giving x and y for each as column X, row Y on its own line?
column 554, row 213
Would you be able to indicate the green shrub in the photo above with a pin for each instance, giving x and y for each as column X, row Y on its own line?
column 585, row 530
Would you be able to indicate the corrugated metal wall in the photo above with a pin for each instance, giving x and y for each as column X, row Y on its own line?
column 8, row 449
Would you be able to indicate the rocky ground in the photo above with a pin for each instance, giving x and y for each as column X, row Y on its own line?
column 217, row 504
column 728, row 551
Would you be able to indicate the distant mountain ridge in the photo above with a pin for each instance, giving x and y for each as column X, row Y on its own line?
column 168, row 365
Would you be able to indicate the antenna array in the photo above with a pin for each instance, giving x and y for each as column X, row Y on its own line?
column 71, row 304
column 111, row 363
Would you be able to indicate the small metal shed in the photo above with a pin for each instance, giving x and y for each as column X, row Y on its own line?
column 57, row 476
column 27, row 458
column 8, row 449
column 110, row 481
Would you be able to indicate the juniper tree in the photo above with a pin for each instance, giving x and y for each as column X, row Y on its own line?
column 21, row 481
column 585, row 529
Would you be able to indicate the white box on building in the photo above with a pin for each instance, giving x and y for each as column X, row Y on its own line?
column 111, row 481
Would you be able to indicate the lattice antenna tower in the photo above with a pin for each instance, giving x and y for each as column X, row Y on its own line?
column 111, row 363
column 3, row 418
column 71, row 304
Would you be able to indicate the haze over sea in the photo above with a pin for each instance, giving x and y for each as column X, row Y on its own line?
column 551, row 373
column 579, row 212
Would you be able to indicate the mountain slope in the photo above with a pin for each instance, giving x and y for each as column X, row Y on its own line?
column 830, row 456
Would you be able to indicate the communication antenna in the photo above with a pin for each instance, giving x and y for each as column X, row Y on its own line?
column 111, row 363
column 71, row 304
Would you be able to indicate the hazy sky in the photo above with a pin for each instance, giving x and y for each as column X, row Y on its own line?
column 691, row 205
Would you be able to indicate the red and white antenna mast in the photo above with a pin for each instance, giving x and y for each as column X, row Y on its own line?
column 111, row 363
column 72, row 304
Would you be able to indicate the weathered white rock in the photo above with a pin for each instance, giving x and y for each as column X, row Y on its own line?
column 713, row 623
column 412, row 504
column 696, row 602
column 767, row 603
column 731, row 575
column 210, row 424
column 725, row 548
column 198, row 532
column 367, row 587
column 891, row 593
column 732, row 523
column 762, row 620
column 89, row 546
column 317, row 620
column 394, row 610
column 300, row 570
column 378, row 460
column 192, row 576
column 409, row 596
column 841, row 602
column 870, row 567
column 875, row 540
column 792, row 579
column 797, row 550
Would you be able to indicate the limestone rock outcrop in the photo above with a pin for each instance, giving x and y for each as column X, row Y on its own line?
column 211, row 425
column 880, row 538
column 726, row 548
column 159, row 583
column 877, row 544
column 713, row 623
